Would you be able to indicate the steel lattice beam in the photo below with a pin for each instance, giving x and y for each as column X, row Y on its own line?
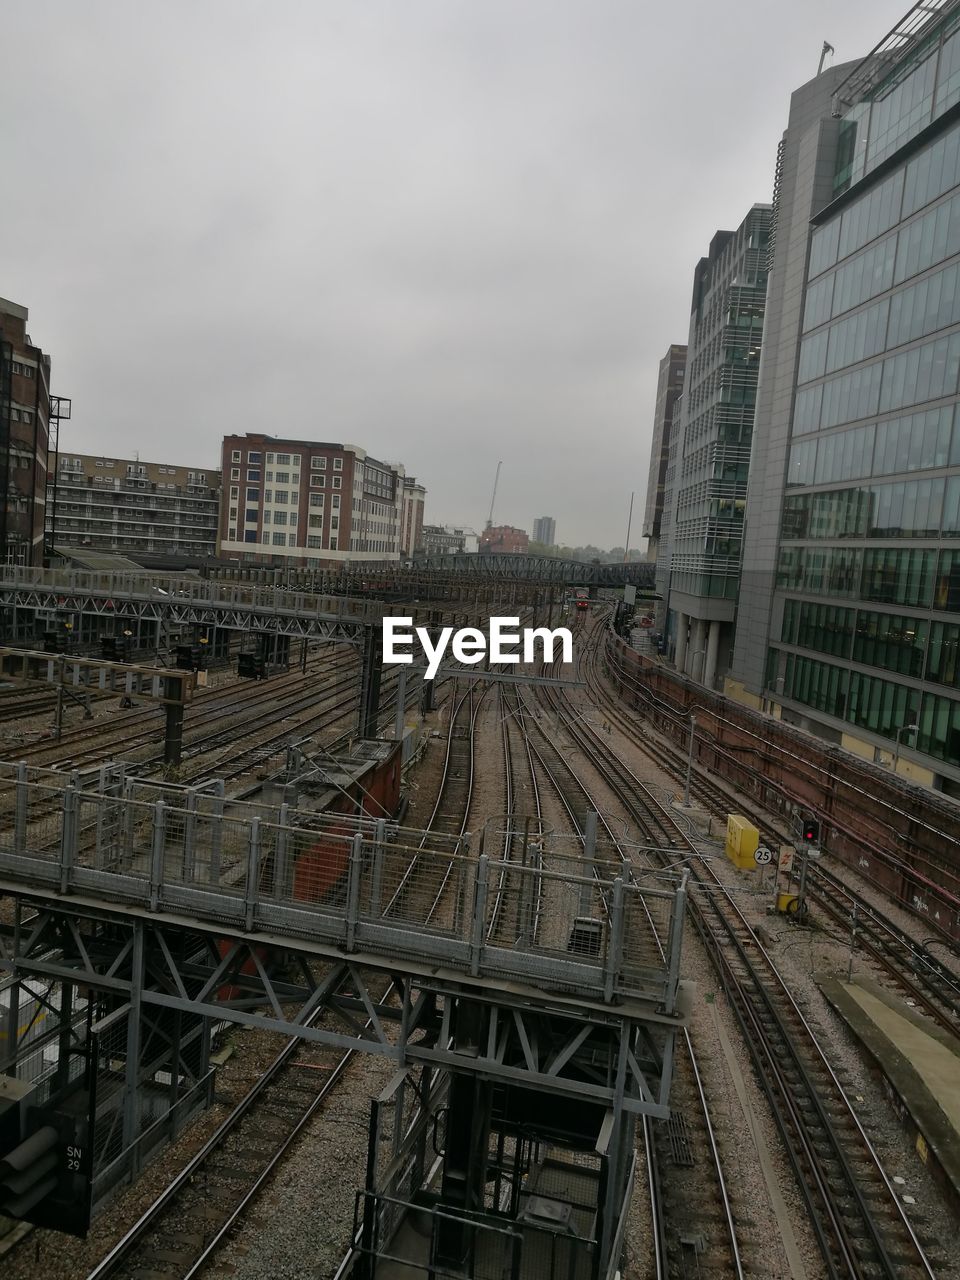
column 574, row 1052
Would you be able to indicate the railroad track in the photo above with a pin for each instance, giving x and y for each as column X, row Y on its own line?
column 181, row 1231
column 128, row 732
column 421, row 884
column 928, row 885
column 915, row 970
column 861, row 1226
column 523, row 826
column 681, row 1191
column 918, row 972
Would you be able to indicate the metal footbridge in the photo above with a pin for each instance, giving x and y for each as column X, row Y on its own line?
column 159, row 862
column 201, row 602
column 140, row 915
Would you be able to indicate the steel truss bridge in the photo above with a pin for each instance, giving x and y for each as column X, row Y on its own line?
column 572, row 573
column 237, row 606
column 291, row 604
column 168, row 903
column 150, row 859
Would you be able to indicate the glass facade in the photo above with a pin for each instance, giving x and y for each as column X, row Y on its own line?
column 723, row 360
column 868, row 572
column 912, row 95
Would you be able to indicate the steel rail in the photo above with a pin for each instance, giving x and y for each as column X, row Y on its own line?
column 510, row 835
column 108, row 1264
column 630, row 788
column 472, row 703
column 660, row 1249
column 669, row 711
column 334, row 1077
column 658, row 1231
column 917, row 971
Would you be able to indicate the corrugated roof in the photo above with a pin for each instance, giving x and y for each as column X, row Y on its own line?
column 99, row 561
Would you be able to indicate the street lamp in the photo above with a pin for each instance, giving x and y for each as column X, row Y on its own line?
column 686, row 788
column 904, row 728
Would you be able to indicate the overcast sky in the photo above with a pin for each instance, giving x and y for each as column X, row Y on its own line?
column 450, row 231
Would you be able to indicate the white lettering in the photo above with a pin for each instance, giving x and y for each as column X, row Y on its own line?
column 532, row 634
column 391, row 639
column 500, row 635
column 469, row 645
column 434, row 653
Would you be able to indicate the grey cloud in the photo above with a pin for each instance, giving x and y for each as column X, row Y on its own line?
column 449, row 230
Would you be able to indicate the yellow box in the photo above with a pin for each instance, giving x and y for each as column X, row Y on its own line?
column 787, row 903
column 742, row 841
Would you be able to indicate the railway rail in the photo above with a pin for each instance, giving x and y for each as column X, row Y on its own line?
column 862, row 1227
column 523, row 825
column 421, row 885
column 919, row 973
column 907, row 848
column 181, row 1231
column 674, row 1205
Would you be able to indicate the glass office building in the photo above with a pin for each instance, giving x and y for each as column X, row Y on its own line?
column 863, row 625
column 709, row 454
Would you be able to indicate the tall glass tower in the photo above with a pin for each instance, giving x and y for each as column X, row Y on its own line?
column 710, row 450
column 850, row 616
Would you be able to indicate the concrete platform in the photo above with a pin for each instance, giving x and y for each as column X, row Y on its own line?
column 920, row 1062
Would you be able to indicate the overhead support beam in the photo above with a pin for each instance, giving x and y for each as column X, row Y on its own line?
column 371, row 667
column 156, row 968
column 525, row 568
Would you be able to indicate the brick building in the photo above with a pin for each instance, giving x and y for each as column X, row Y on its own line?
column 128, row 506
column 504, row 537
column 308, row 502
column 24, row 438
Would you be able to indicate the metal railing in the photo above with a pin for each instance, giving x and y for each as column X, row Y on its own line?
column 325, row 881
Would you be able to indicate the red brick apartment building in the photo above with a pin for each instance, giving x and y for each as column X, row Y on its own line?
column 504, row 537
column 308, row 502
column 24, row 438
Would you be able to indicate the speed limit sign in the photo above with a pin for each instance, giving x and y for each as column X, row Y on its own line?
column 762, row 856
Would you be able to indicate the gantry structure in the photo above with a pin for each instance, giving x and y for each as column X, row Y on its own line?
column 571, row 573
column 169, row 910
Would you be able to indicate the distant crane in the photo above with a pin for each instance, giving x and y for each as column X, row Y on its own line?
column 493, row 497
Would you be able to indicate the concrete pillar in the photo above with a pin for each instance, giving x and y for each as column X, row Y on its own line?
column 713, row 650
column 681, row 650
column 698, row 645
